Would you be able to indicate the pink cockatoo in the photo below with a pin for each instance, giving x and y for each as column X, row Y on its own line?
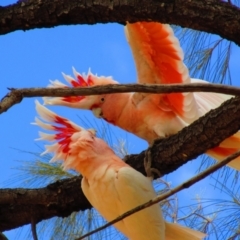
column 110, row 185
column 159, row 60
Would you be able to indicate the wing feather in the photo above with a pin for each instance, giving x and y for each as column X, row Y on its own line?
column 159, row 60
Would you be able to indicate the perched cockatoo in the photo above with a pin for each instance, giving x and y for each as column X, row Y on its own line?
column 110, row 185
column 159, row 60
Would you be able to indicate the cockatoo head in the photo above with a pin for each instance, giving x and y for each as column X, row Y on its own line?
column 73, row 144
column 92, row 102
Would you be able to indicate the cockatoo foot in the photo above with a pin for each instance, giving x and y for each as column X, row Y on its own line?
column 147, row 165
column 125, row 158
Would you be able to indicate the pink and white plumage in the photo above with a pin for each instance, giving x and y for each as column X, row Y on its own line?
column 159, row 59
column 110, row 185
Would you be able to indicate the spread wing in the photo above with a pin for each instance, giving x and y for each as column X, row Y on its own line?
column 159, row 60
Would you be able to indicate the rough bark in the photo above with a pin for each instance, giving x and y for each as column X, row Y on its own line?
column 19, row 206
column 212, row 16
column 207, row 132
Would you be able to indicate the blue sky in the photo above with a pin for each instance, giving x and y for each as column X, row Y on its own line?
column 32, row 58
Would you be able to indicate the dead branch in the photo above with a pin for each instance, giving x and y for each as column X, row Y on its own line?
column 16, row 95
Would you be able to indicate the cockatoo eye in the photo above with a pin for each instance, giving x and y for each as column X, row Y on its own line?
column 102, row 99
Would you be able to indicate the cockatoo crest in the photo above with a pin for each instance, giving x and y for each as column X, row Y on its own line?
column 80, row 80
column 66, row 136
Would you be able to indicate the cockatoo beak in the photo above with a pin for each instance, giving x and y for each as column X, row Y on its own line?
column 97, row 112
column 93, row 131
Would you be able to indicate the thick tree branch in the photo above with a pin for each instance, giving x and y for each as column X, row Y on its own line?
column 205, row 133
column 219, row 17
column 17, row 95
column 19, row 206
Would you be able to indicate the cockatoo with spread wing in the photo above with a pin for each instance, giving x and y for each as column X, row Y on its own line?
column 159, row 60
column 110, row 185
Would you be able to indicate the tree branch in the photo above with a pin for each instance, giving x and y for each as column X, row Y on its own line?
column 207, row 132
column 17, row 95
column 219, row 17
column 19, row 206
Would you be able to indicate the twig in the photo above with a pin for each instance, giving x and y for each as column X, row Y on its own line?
column 206, row 219
column 16, row 95
column 188, row 216
column 161, row 197
column 33, row 228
